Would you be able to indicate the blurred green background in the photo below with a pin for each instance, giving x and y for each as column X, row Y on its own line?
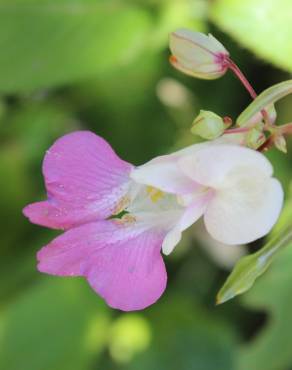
column 103, row 65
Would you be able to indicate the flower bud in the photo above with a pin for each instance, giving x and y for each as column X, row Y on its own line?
column 280, row 143
column 208, row 125
column 197, row 54
column 255, row 138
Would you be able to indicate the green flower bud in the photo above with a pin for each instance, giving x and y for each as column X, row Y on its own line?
column 197, row 54
column 280, row 143
column 255, row 138
column 208, row 125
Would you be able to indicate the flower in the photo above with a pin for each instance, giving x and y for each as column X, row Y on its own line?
column 197, row 54
column 117, row 217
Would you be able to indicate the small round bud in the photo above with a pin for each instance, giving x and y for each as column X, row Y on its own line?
column 208, row 125
column 227, row 122
column 197, row 54
column 255, row 138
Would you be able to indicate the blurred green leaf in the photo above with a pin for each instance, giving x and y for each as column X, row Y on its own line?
column 267, row 97
column 56, row 325
column 122, row 106
column 24, row 270
column 186, row 338
column 179, row 14
column 26, row 132
column 263, row 26
column 249, row 268
column 47, row 43
column 33, row 126
column 15, row 192
column 130, row 334
column 270, row 349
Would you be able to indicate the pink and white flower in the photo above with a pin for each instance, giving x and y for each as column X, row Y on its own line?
column 117, row 217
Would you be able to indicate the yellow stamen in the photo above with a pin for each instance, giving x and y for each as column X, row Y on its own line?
column 154, row 194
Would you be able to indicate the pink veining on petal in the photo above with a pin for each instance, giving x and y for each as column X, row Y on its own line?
column 85, row 180
column 123, row 264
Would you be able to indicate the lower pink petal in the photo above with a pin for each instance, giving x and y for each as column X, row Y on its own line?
column 129, row 276
column 85, row 180
column 123, row 264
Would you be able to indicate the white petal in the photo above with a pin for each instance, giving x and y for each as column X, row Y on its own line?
column 245, row 211
column 191, row 215
column 235, row 139
column 171, row 240
column 210, row 165
column 163, row 173
column 195, row 47
column 165, row 176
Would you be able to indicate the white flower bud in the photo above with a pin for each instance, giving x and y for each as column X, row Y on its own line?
column 197, row 54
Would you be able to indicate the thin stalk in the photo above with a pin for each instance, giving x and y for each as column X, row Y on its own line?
column 239, row 74
column 238, row 130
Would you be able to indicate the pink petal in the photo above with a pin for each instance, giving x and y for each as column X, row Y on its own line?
column 85, row 180
column 122, row 263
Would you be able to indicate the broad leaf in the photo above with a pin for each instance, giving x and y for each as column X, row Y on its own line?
column 185, row 337
column 49, row 43
column 57, row 324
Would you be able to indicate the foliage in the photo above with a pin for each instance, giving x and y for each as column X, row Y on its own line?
column 102, row 65
column 263, row 26
column 273, row 295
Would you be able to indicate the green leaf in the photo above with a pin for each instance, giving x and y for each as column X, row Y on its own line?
column 121, row 94
column 47, row 43
column 270, row 349
column 178, row 14
column 268, row 96
column 263, row 26
column 57, row 324
column 249, row 268
column 185, row 337
column 35, row 125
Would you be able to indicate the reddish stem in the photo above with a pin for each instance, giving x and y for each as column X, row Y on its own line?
column 285, row 129
column 238, row 73
column 237, row 130
column 235, row 69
